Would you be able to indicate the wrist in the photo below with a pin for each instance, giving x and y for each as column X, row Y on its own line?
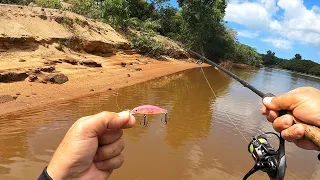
column 51, row 172
column 55, row 172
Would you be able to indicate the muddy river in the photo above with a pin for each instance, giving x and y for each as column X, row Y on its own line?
column 200, row 141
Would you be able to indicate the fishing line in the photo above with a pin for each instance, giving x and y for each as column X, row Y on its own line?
column 205, row 77
column 119, row 88
column 117, row 100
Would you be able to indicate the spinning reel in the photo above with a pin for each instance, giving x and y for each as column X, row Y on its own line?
column 267, row 159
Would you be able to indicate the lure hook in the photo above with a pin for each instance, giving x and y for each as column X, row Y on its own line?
column 144, row 123
column 165, row 121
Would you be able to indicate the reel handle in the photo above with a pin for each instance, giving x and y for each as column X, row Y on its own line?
column 312, row 133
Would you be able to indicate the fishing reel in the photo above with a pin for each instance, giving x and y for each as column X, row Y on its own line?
column 267, row 159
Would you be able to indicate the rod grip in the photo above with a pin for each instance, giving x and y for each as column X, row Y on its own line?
column 312, row 132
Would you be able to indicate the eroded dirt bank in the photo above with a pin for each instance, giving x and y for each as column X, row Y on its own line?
column 49, row 56
column 84, row 81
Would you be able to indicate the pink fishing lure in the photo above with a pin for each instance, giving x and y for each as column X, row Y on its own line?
column 148, row 109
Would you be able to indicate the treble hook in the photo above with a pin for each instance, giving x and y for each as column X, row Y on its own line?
column 144, row 123
column 165, row 121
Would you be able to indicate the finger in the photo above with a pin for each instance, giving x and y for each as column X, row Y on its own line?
column 293, row 133
column 272, row 115
column 282, row 122
column 130, row 123
column 264, row 110
column 303, row 89
column 110, row 136
column 286, row 101
column 268, row 117
column 306, row 144
column 99, row 123
column 109, row 151
column 110, row 164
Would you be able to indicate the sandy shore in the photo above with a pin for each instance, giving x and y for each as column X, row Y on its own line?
column 88, row 57
column 88, row 81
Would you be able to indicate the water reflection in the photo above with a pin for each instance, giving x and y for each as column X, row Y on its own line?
column 200, row 140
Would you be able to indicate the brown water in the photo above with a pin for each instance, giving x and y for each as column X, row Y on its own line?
column 199, row 142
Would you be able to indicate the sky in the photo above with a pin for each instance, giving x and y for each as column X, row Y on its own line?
column 286, row 27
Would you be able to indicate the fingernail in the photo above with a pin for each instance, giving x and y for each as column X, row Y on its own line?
column 299, row 131
column 267, row 100
column 286, row 121
column 123, row 113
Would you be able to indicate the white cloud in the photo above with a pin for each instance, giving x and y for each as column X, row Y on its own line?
column 298, row 23
column 248, row 34
column 270, row 6
column 275, row 26
column 292, row 8
column 316, row 9
column 278, row 43
column 249, row 14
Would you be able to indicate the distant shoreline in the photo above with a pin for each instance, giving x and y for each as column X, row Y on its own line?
column 299, row 73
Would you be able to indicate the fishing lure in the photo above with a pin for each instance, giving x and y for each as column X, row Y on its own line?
column 149, row 109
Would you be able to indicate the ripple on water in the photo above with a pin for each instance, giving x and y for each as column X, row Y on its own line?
column 198, row 142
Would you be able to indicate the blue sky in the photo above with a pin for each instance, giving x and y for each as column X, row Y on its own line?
column 286, row 27
column 174, row 3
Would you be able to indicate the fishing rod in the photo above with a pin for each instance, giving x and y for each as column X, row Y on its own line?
column 267, row 159
column 244, row 83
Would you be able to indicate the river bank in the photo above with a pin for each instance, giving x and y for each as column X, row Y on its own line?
column 49, row 56
column 89, row 81
column 230, row 65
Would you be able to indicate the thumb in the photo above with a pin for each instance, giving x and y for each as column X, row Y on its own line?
column 287, row 101
column 99, row 123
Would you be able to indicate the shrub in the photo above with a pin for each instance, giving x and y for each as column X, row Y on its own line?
column 22, row 2
column 246, row 55
column 303, row 66
column 54, row 4
column 150, row 26
column 315, row 70
column 147, row 45
column 87, row 8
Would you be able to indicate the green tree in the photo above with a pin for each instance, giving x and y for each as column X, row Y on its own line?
column 141, row 9
column 246, row 55
column 171, row 21
column 269, row 58
column 159, row 4
column 298, row 56
column 298, row 65
column 202, row 29
column 116, row 12
column 315, row 70
column 87, row 8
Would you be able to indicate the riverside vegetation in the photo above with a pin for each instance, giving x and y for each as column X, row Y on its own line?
column 196, row 24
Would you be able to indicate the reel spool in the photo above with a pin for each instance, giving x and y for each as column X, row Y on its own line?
column 267, row 159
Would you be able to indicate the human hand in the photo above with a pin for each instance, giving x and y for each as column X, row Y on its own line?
column 92, row 147
column 304, row 103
